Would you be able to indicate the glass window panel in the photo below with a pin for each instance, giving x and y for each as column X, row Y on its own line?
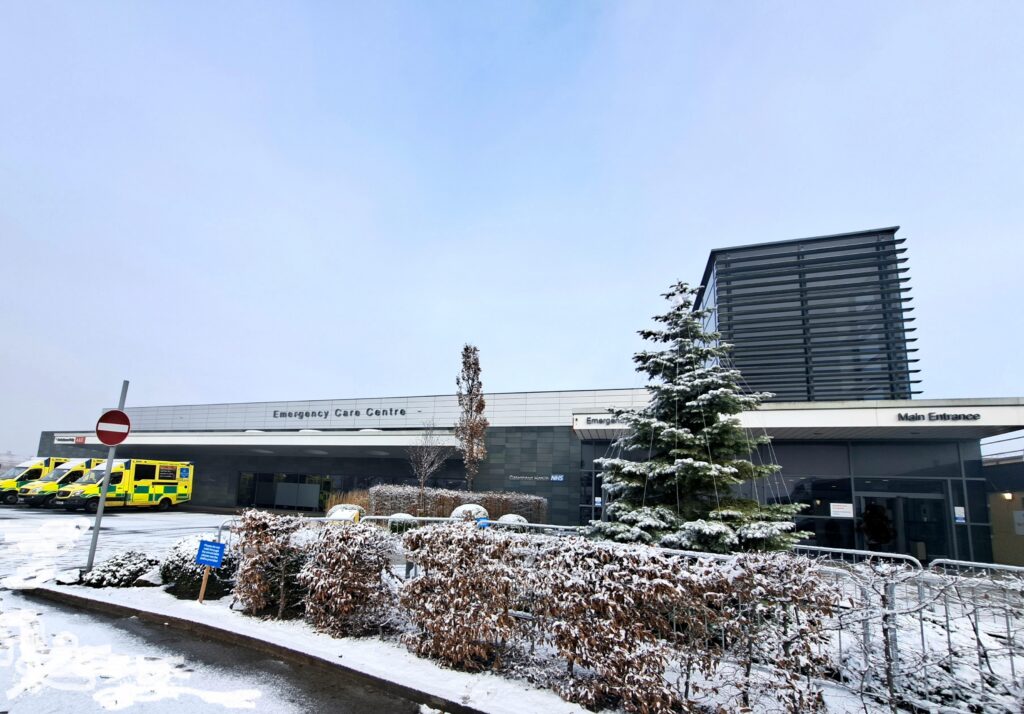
column 977, row 502
column 245, row 489
column 828, row 532
column 963, row 537
column 982, row 537
column 810, row 459
column 900, row 485
column 816, row 493
column 906, row 459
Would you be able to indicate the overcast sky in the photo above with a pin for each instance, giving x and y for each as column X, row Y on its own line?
column 247, row 202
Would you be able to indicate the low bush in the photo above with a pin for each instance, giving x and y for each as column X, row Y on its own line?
column 402, row 522
column 463, row 603
column 185, row 577
column 440, row 502
column 121, row 571
column 348, row 580
column 469, row 512
column 772, row 610
column 607, row 612
column 272, row 553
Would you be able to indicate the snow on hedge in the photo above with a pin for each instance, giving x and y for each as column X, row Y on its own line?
column 440, row 502
column 462, row 605
column 180, row 570
column 273, row 552
column 639, row 628
column 469, row 512
column 120, row 571
column 350, row 588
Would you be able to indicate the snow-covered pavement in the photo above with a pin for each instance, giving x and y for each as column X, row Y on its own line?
column 57, row 660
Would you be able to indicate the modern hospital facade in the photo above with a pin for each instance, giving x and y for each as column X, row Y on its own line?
column 822, row 322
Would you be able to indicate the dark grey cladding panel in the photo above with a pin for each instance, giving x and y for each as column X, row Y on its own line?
column 519, row 459
column 819, row 318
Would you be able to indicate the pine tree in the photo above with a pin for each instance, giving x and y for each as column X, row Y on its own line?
column 693, row 448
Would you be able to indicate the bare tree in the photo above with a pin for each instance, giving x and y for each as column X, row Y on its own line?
column 427, row 456
column 472, row 425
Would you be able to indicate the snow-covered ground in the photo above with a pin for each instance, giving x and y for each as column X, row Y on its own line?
column 50, row 657
column 372, row 656
column 53, row 659
column 38, row 542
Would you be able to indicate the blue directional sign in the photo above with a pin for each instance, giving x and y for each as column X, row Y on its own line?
column 210, row 553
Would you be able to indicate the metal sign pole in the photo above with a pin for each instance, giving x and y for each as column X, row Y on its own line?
column 103, row 487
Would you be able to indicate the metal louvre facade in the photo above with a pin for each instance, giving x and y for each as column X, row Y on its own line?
column 816, row 319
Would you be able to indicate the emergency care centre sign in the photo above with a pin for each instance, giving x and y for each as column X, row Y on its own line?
column 338, row 413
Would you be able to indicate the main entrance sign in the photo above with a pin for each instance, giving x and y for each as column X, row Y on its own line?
column 113, row 427
column 936, row 416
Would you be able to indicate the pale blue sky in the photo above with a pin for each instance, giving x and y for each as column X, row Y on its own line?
column 245, row 201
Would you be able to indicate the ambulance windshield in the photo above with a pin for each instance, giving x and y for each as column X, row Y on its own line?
column 94, row 476
column 54, row 475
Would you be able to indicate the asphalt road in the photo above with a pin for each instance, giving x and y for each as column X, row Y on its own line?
column 56, row 659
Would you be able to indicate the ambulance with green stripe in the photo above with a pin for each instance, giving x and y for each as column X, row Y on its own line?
column 25, row 472
column 43, row 490
column 134, row 483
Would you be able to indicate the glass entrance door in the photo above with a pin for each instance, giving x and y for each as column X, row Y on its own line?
column 914, row 524
column 302, row 492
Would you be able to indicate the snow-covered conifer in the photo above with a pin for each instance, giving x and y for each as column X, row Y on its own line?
column 692, row 448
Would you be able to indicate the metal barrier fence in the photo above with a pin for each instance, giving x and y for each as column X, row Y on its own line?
column 901, row 628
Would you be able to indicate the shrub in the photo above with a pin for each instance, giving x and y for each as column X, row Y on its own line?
column 462, row 604
column 512, row 522
column 512, row 518
column 773, row 610
column 469, row 512
column 440, row 502
column 607, row 611
column 271, row 558
column 179, row 568
column 347, row 578
column 401, row 522
column 121, row 571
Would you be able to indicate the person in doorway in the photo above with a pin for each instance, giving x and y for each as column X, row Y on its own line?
column 876, row 526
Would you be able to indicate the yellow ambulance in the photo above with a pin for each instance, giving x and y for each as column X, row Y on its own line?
column 42, row 491
column 17, row 476
column 138, row 483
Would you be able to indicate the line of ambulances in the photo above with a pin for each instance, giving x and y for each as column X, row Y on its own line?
column 75, row 483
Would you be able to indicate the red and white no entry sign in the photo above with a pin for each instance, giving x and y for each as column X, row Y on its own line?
column 113, row 427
